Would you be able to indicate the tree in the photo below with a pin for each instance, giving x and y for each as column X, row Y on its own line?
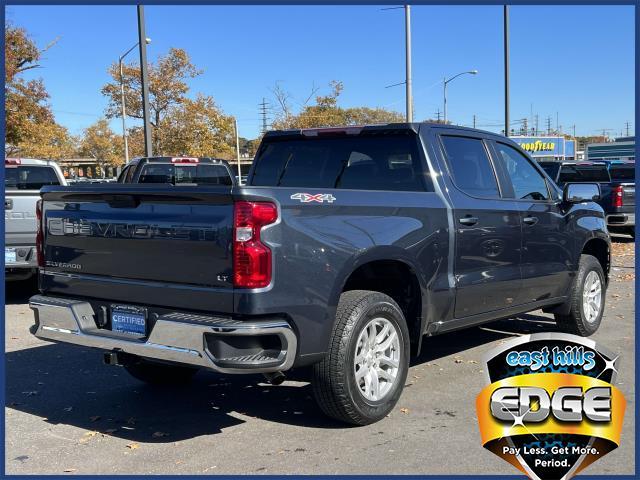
column 326, row 112
column 195, row 128
column 102, row 144
column 30, row 127
column 167, row 89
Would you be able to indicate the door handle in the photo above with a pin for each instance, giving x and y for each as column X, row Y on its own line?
column 530, row 220
column 468, row 220
column 8, row 203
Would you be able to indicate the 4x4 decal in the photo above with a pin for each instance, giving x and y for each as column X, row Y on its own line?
column 313, row 197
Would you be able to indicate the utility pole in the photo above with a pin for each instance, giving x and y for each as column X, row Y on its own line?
column 438, row 115
column 536, row 125
column 557, row 123
column 263, row 111
column 525, row 128
column 144, row 80
column 235, row 122
column 506, row 69
column 407, row 33
column 627, row 125
column 474, row 120
column 549, row 125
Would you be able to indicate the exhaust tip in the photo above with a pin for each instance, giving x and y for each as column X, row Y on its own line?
column 275, row 378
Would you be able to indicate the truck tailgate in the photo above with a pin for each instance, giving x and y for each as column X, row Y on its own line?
column 144, row 244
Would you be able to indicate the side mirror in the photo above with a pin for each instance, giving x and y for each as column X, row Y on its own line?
column 581, row 192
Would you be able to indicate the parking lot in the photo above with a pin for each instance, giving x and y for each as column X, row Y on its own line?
column 66, row 412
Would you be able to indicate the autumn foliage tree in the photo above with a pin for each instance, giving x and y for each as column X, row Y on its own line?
column 180, row 125
column 30, row 126
column 326, row 112
column 100, row 143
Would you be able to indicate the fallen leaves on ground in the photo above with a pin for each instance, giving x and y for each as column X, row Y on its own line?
column 404, row 410
column 132, row 446
column 620, row 249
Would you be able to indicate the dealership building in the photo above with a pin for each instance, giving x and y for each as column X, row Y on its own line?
column 623, row 148
column 544, row 148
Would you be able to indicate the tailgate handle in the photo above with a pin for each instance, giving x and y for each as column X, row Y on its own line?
column 121, row 201
column 8, row 203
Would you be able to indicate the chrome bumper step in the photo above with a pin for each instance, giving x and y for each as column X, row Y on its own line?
column 175, row 337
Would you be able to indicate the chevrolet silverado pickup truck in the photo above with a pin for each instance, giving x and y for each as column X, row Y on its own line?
column 617, row 182
column 345, row 248
column 23, row 178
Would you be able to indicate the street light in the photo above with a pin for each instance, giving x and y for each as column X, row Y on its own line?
column 122, row 106
column 471, row 72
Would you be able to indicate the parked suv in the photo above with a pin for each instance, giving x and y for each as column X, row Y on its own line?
column 346, row 247
column 23, row 178
column 178, row 171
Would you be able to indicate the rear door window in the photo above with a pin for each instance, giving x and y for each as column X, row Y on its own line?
column 528, row 183
column 470, row 166
column 185, row 174
column 584, row 173
column 29, row 177
column 389, row 162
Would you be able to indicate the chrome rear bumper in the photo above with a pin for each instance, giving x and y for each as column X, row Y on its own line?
column 175, row 337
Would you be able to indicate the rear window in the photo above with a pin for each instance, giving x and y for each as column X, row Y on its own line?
column 389, row 162
column 584, row 173
column 29, row 177
column 185, row 174
column 622, row 173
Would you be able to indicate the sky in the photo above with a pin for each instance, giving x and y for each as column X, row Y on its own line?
column 573, row 63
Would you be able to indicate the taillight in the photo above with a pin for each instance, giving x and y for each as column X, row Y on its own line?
column 617, row 195
column 251, row 257
column 39, row 235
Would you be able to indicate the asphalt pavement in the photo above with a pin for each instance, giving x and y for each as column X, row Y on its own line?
column 67, row 413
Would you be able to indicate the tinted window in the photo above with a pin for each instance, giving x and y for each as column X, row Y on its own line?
column 29, row 177
column 526, row 180
column 184, row 174
column 364, row 162
column 130, row 171
column 584, row 173
column 551, row 169
column 470, row 167
column 622, row 173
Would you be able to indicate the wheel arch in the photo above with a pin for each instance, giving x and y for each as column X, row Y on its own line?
column 390, row 271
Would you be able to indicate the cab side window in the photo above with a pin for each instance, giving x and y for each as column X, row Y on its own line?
column 528, row 183
column 470, row 166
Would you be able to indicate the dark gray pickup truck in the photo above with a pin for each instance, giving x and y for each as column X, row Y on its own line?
column 346, row 247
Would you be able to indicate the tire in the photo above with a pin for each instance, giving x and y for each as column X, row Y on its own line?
column 580, row 320
column 155, row 373
column 338, row 391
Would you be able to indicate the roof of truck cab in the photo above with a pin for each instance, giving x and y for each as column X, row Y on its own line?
column 372, row 128
column 27, row 161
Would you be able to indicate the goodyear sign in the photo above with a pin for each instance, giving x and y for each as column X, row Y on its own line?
column 546, row 146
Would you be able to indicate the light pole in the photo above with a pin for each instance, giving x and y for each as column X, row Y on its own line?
column 144, row 82
column 407, row 53
column 122, row 104
column 407, row 34
column 446, row 81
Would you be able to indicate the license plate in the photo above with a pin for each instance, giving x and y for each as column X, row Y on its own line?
column 129, row 319
column 9, row 255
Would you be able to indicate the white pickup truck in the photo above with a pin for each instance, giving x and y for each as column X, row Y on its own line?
column 23, row 179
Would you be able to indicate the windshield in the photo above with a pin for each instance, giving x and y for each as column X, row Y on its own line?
column 622, row 173
column 584, row 173
column 29, row 177
column 185, row 174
